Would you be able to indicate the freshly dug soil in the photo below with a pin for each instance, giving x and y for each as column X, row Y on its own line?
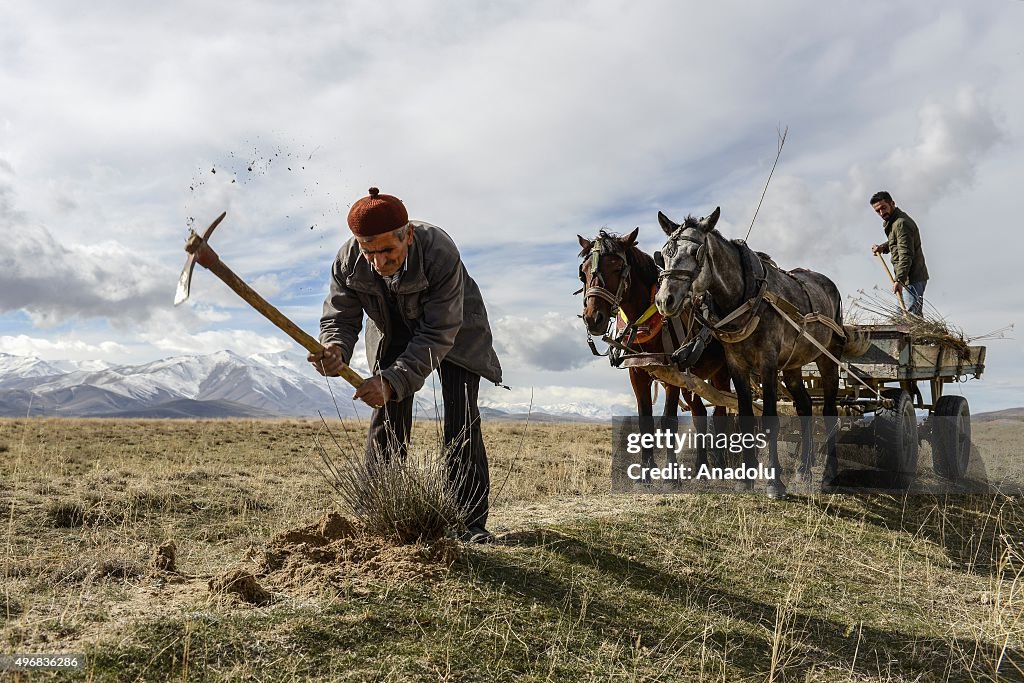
column 241, row 583
column 338, row 549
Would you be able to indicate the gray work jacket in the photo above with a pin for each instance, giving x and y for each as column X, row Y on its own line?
column 436, row 296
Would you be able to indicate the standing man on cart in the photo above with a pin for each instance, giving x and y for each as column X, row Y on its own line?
column 903, row 243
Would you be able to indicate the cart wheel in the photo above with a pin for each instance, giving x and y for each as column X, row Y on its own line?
column 896, row 440
column 951, row 437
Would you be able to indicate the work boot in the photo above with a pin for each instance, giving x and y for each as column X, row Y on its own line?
column 473, row 534
column 478, row 534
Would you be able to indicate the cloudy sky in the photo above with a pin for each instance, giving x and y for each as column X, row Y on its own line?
column 513, row 125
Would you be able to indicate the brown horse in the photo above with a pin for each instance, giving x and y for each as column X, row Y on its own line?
column 619, row 284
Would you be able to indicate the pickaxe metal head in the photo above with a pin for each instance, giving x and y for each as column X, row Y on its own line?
column 197, row 249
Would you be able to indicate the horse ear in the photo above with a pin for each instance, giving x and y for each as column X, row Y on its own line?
column 668, row 226
column 630, row 239
column 584, row 242
column 710, row 221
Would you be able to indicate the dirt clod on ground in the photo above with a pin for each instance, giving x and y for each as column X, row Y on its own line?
column 241, row 583
column 339, row 549
column 164, row 557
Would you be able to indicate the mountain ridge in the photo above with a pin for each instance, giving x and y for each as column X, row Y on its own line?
column 220, row 384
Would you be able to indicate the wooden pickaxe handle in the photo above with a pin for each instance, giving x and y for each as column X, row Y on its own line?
column 207, row 257
column 891, row 278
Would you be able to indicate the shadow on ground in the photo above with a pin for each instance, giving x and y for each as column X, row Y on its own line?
column 741, row 624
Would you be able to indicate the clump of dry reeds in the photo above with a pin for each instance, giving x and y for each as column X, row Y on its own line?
column 409, row 499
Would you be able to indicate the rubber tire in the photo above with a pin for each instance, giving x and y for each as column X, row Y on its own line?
column 896, row 440
column 951, row 437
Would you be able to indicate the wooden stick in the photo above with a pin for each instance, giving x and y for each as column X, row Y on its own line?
column 709, row 393
column 208, row 258
column 888, row 272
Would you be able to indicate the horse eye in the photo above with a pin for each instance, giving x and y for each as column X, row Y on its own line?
column 659, row 260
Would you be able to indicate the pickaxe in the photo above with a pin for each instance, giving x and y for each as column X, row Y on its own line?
column 199, row 251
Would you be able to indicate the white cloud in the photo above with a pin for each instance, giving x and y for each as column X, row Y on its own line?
column 243, row 342
column 952, row 138
column 54, row 282
column 62, row 348
column 551, row 342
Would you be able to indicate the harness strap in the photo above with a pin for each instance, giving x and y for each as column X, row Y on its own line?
column 821, row 347
column 602, row 293
column 673, row 336
column 637, row 331
column 644, row 317
column 793, row 313
column 750, row 306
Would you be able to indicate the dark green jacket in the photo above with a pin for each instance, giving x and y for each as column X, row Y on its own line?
column 905, row 248
column 438, row 299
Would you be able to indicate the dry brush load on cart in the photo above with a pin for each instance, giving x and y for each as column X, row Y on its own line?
column 905, row 352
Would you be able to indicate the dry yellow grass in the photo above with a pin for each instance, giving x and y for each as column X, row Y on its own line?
column 586, row 585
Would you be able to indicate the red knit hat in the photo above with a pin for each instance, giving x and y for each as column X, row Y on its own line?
column 377, row 214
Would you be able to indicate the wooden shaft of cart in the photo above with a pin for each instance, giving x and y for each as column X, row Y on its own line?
column 892, row 280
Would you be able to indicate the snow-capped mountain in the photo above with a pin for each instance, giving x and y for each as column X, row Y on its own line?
column 580, row 411
column 221, row 384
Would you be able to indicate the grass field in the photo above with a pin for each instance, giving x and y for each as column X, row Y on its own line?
column 583, row 585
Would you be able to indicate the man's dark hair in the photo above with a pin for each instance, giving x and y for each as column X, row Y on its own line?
column 880, row 197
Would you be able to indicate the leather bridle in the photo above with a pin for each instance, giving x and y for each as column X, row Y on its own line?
column 680, row 273
column 592, row 266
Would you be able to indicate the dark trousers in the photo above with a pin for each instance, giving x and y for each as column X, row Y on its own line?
column 463, row 441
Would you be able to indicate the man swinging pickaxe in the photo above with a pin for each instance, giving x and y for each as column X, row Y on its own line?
column 199, row 251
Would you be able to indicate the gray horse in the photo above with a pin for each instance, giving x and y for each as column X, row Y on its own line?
column 731, row 289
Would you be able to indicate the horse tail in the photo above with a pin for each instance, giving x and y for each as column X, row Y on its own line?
column 857, row 342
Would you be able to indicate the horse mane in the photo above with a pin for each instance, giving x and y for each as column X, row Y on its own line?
column 642, row 264
column 690, row 221
column 639, row 261
column 602, row 234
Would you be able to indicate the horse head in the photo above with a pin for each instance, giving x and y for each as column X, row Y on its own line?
column 682, row 261
column 604, row 273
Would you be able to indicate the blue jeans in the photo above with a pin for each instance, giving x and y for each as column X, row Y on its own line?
column 913, row 297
